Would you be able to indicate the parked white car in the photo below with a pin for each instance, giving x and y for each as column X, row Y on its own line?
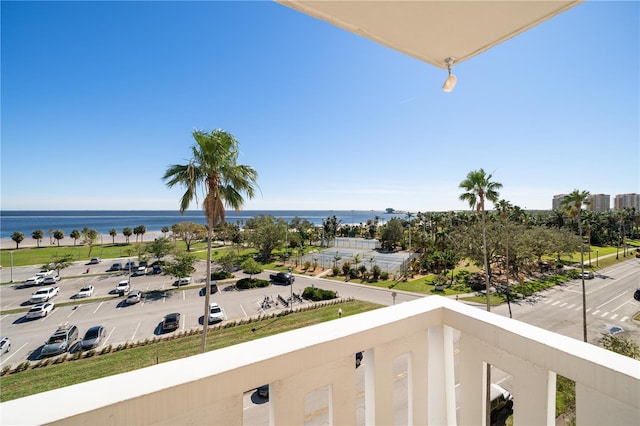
column 44, row 294
column 40, row 310
column 52, row 279
column 183, row 281
column 86, row 291
column 215, row 313
column 122, row 287
column 33, row 281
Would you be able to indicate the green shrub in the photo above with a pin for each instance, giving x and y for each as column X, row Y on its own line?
column 316, row 294
column 221, row 275
column 23, row 366
column 247, row 283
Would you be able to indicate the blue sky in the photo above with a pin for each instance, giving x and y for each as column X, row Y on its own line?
column 99, row 98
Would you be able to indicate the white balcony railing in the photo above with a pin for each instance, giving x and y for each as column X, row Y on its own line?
column 208, row 388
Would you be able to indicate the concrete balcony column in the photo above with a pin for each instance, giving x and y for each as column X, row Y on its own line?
column 534, row 395
column 441, row 400
column 287, row 395
column 472, row 377
column 378, row 385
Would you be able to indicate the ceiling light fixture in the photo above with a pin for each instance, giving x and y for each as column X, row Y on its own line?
column 451, row 81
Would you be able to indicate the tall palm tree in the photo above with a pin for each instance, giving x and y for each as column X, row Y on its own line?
column 573, row 203
column 214, row 171
column 479, row 188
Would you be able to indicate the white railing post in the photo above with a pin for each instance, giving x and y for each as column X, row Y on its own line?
column 441, row 380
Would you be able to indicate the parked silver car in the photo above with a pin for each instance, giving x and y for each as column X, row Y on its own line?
column 60, row 341
column 5, row 345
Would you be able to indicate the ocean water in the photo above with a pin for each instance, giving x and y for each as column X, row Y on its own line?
column 27, row 221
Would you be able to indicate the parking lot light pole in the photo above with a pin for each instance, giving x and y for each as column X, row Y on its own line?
column 597, row 263
column 291, row 289
column 11, row 256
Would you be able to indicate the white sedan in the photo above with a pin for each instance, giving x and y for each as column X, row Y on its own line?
column 86, row 291
column 40, row 310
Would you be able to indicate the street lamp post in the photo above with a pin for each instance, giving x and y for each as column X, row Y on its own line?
column 597, row 259
column 291, row 288
column 11, row 256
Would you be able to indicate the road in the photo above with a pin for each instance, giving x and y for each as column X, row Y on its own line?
column 610, row 304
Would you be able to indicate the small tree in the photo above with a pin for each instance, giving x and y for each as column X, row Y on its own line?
column 189, row 232
column 38, row 235
column 59, row 262
column 127, row 232
column 58, row 235
column 75, row 234
column 182, row 266
column 17, row 237
column 160, row 247
column 89, row 237
column 251, row 267
column 228, row 261
column 113, row 234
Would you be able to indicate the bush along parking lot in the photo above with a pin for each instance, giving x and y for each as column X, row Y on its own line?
column 247, row 283
column 316, row 294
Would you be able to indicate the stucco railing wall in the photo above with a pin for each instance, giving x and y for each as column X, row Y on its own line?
column 209, row 386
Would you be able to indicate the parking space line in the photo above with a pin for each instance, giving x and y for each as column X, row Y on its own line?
column 614, row 316
column 623, row 319
column 135, row 331
column 243, row 311
column 110, row 334
column 98, row 307
column 595, row 312
column 571, row 306
column 7, row 358
column 605, row 314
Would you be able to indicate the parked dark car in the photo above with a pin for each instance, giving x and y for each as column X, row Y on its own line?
column 157, row 269
column 116, row 267
column 636, row 295
column 171, row 322
column 93, row 337
column 282, row 277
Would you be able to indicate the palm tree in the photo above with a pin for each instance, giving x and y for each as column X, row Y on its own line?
column 573, row 203
column 479, row 187
column 213, row 169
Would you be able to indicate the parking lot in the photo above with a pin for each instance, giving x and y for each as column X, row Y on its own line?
column 123, row 322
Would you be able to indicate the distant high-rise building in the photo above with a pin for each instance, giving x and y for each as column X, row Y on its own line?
column 556, row 204
column 626, row 200
column 599, row 202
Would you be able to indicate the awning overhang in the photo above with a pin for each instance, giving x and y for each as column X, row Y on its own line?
column 432, row 31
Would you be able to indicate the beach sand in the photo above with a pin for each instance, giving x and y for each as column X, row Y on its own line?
column 8, row 243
